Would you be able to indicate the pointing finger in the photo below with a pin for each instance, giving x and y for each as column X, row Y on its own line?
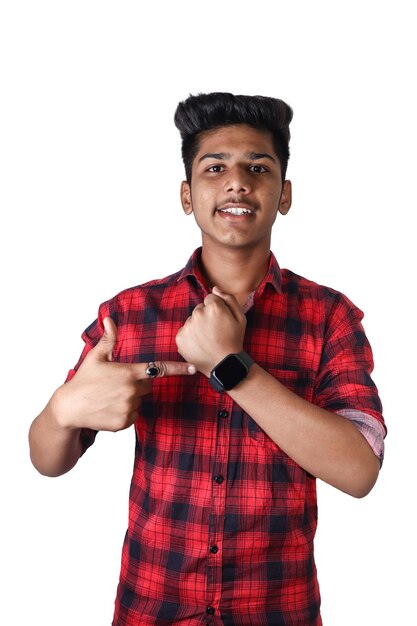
column 162, row 368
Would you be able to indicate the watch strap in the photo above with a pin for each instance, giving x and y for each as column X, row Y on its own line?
column 245, row 358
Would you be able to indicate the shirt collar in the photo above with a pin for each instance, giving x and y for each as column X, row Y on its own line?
column 272, row 276
column 192, row 269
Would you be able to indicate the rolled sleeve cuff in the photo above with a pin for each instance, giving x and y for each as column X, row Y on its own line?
column 370, row 427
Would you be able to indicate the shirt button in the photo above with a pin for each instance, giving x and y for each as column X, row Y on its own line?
column 214, row 549
column 210, row 610
column 223, row 414
column 219, row 479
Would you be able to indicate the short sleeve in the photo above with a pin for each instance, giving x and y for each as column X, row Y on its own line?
column 90, row 336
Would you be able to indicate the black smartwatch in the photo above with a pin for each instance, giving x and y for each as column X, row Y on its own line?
column 230, row 371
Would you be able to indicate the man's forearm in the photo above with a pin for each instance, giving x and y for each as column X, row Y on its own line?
column 325, row 444
column 54, row 449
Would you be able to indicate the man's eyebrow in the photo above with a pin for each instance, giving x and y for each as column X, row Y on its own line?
column 221, row 156
column 252, row 156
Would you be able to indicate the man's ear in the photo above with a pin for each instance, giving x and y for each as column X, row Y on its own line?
column 286, row 198
column 186, row 198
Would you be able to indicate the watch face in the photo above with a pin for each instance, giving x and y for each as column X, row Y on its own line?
column 230, row 372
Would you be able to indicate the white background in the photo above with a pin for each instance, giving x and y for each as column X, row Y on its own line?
column 90, row 173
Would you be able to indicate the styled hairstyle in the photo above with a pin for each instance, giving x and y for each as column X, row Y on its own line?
column 207, row 111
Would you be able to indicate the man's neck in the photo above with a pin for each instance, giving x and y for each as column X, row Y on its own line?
column 235, row 271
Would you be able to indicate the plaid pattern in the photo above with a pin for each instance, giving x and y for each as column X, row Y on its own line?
column 221, row 521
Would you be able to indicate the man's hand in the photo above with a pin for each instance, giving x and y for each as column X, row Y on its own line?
column 105, row 395
column 215, row 329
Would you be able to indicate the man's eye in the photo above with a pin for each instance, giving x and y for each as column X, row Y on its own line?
column 215, row 168
column 258, row 169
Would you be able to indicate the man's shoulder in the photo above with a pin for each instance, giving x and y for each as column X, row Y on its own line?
column 137, row 295
column 291, row 281
column 326, row 298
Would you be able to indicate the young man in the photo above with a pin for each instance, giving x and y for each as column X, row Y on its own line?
column 272, row 391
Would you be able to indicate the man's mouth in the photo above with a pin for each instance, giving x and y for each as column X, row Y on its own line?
column 236, row 210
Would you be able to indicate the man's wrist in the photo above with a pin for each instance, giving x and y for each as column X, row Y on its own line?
column 57, row 413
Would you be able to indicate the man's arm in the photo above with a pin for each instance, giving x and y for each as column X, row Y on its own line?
column 323, row 443
column 101, row 396
column 54, row 449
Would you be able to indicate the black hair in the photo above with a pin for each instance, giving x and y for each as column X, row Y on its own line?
column 207, row 111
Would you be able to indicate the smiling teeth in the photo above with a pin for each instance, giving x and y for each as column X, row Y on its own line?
column 236, row 211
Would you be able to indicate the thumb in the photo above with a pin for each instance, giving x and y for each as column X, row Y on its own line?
column 104, row 348
column 231, row 302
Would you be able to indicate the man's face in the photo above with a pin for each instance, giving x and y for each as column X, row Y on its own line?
column 236, row 189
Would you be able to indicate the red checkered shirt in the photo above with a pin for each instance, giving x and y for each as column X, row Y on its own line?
column 221, row 521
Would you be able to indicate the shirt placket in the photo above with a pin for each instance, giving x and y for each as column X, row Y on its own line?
column 218, row 507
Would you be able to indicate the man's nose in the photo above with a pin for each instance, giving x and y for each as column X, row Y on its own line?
column 238, row 181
